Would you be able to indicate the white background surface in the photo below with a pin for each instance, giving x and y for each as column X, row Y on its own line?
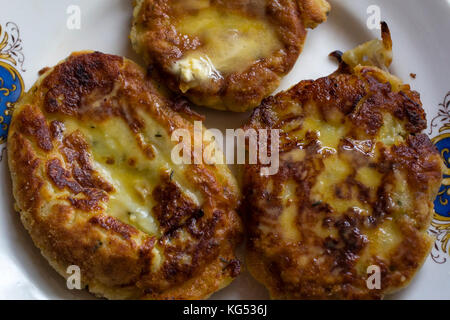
column 420, row 31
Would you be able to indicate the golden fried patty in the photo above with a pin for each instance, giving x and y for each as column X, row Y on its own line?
column 354, row 189
column 89, row 150
column 226, row 55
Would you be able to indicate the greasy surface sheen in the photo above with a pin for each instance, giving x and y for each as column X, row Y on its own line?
column 90, row 158
column 226, row 55
column 355, row 188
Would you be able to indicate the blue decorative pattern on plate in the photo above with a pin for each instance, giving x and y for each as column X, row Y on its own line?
column 441, row 222
column 11, row 83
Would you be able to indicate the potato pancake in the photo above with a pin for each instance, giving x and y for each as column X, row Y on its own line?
column 89, row 151
column 226, row 55
column 355, row 188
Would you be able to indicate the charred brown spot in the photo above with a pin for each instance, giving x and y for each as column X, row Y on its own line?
column 147, row 150
column 76, row 152
column 92, row 201
column 71, row 83
column 57, row 129
column 411, row 109
column 368, row 116
column 62, row 177
column 234, row 267
column 350, row 233
column 109, row 223
column 147, row 247
column 418, row 156
column 32, row 123
column 43, row 70
column 342, row 92
column 183, row 106
column 131, row 162
column 173, row 207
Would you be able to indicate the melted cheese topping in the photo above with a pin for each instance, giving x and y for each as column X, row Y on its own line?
column 191, row 4
column 385, row 238
column 329, row 132
column 231, row 42
column 288, row 217
column 118, row 158
column 402, row 199
column 329, row 135
column 392, row 130
column 381, row 242
column 335, row 172
column 337, row 169
column 369, row 177
column 195, row 69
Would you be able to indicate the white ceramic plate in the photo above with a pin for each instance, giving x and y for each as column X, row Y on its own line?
column 38, row 36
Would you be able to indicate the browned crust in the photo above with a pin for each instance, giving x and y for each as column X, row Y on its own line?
column 361, row 97
column 61, row 198
column 154, row 36
column 314, row 12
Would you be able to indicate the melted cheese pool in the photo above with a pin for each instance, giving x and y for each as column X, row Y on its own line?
column 117, row 157
column 230, row 42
